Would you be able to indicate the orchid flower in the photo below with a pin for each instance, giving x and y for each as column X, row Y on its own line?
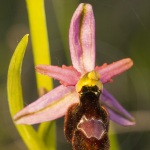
column 55, row 103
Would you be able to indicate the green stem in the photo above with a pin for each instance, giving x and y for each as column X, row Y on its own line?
column 39, row 35
column 114, row 145
column 47, row 132
column 40, row 44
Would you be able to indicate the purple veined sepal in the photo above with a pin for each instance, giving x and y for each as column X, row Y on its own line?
column 117, row 113
column 48, row 107
column 82, row 38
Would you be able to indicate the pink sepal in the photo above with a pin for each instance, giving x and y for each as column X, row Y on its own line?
column 117, row 113
column 48, row 107
column 82, row 38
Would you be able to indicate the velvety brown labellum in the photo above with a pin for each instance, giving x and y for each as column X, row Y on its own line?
column 86, row 123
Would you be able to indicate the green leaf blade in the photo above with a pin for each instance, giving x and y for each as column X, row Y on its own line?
column 15, row 99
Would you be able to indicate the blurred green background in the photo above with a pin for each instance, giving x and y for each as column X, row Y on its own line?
column 122, row 30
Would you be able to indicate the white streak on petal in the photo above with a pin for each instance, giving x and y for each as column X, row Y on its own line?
column 88, row 38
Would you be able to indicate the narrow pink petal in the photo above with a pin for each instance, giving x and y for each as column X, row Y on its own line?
column 48, row 107
column 82, row 38
column 107, row 72
column 117, row 113
column 66, row 75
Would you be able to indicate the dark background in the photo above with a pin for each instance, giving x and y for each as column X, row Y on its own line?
column 122, row 30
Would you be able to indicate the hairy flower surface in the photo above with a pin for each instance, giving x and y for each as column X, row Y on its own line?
column 55, row 103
